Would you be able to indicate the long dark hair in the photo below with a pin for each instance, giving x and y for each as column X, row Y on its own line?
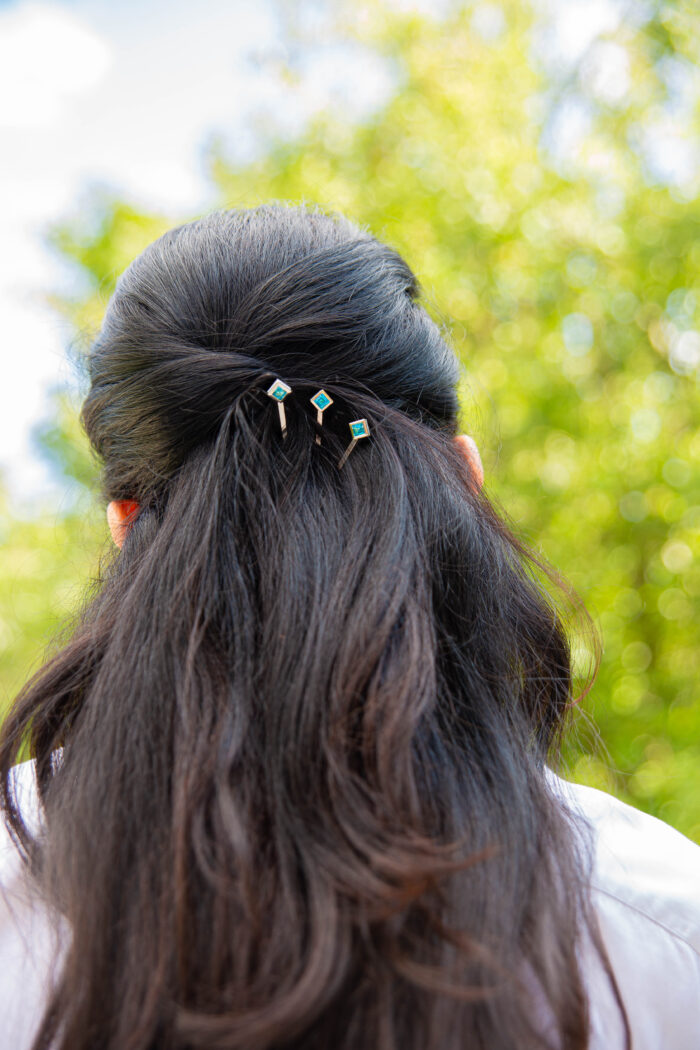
column 302, row 797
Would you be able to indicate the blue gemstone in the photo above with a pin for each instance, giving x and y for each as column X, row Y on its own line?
column 359, row 429
column 279, row 390
column 321, row 400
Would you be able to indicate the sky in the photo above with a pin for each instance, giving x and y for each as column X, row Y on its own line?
column 127, row 95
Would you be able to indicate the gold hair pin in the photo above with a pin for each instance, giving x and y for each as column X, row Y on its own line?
column 278, row 391
column 359, row 429
column 321, row 401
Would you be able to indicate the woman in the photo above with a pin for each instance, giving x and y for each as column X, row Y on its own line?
column 292, row 781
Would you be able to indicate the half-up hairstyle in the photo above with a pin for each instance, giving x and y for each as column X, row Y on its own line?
column 293, row 759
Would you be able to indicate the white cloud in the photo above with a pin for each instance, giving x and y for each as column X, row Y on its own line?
column 46, row 56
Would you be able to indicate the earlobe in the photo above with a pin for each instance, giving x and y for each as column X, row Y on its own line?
column 120, row 515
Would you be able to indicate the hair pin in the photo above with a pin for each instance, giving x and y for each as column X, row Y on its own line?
column 278, row 391
column 321, row 401
column 359, row 428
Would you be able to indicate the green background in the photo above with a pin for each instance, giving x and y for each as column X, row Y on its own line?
column 567, row 280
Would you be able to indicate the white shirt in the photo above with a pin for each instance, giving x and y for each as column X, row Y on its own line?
column 646, row 891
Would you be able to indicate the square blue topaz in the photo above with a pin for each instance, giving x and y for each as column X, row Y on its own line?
column 321, row 400
column 359, row 429
column 279, row 390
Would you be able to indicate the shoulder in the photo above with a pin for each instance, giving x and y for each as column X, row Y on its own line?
column 645, row 884
column 641, row 861
column 29, row 935
column 23, row 790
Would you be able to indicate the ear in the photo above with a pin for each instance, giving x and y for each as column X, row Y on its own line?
column 120, row 515
column 468, row 448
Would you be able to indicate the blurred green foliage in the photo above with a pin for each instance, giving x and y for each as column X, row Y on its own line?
column 45, row 564
column 568, row 280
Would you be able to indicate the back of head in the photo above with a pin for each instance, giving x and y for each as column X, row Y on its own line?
column 301, row 799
